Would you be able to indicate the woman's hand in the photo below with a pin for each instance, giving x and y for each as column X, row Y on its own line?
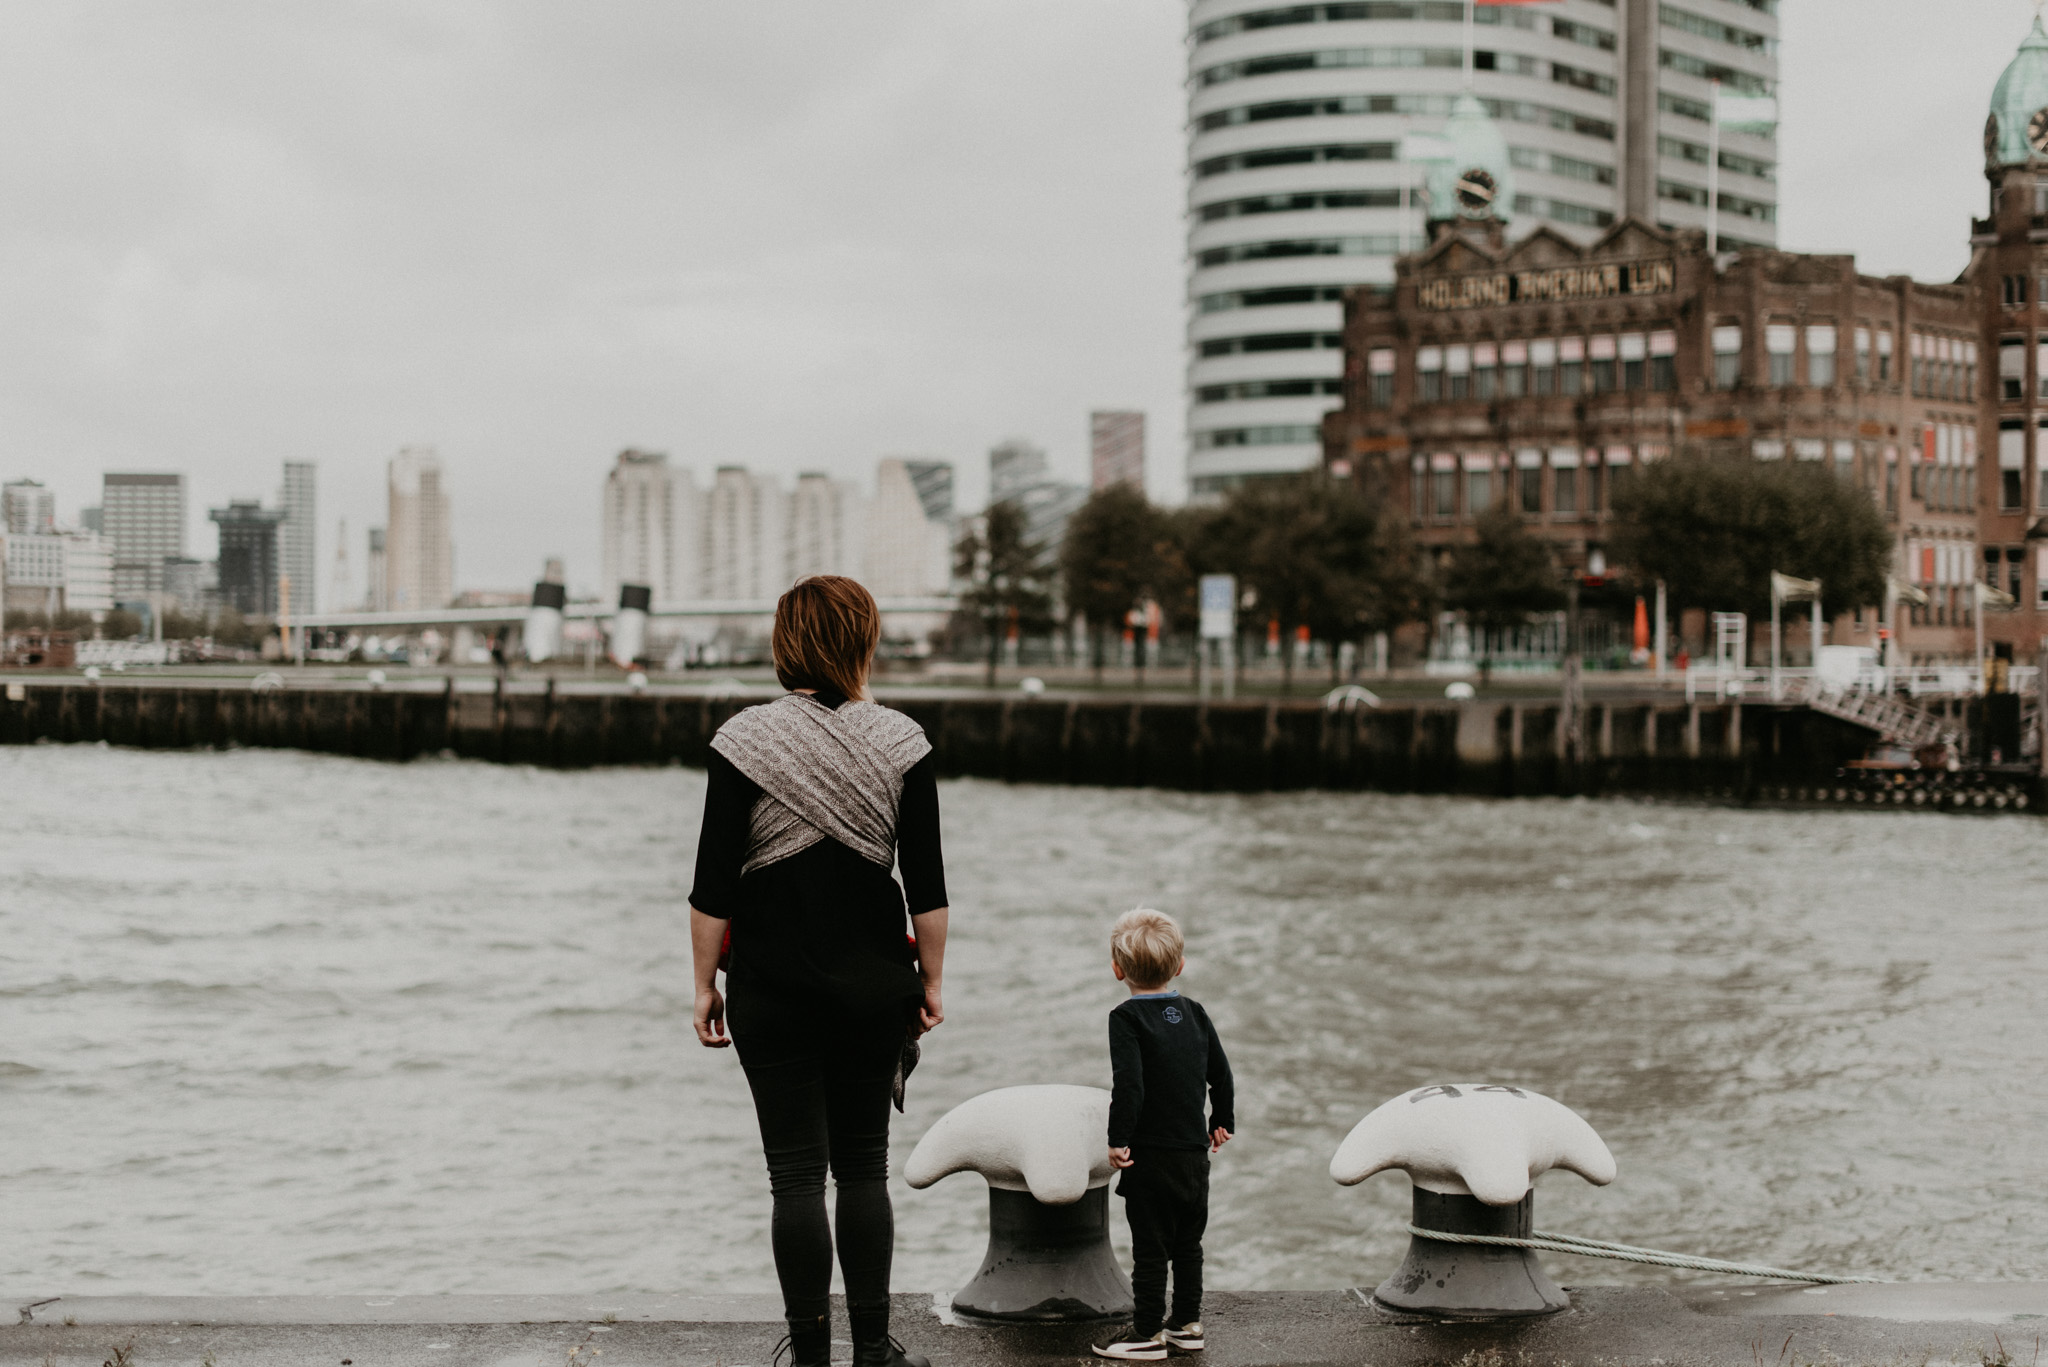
column 710, row 1019
column 930, row 929
column 707, row 937
column 1121, row 1158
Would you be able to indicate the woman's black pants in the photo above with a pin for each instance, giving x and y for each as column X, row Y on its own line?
column 821, row 1087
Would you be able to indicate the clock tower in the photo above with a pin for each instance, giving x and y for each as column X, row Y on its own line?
column 1474, row 185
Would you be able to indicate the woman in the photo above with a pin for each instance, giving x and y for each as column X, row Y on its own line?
column 811, row 799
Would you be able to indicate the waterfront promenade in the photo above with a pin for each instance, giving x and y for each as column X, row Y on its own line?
column 1923, row 1325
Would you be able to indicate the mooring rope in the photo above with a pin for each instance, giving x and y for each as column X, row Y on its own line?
column 1629, row 1253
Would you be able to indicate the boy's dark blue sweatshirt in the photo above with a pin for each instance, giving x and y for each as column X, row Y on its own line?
column 1163, row 1056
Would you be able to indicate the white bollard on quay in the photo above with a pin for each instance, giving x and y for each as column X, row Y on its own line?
column 1045, row 1153
column 1473, row 1151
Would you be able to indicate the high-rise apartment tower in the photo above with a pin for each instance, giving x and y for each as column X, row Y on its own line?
column 1297, row 115
column 419, row 557
column 297, row 548
column 1116, row 449
column 653, row 532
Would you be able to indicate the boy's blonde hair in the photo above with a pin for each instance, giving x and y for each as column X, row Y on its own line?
column 1147, row 946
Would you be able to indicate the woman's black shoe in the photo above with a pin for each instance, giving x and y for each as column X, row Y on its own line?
column 873, row 1346
column 886, row 1352
column 808, row 1343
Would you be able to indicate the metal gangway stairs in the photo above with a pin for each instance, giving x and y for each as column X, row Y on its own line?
column 1894, row 719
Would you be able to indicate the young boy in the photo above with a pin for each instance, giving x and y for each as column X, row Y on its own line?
column 1164, row 1056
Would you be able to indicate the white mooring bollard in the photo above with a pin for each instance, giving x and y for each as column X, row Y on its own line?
column 1045, row 1153
column 1474, row 1151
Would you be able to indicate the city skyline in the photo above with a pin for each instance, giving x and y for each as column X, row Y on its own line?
column 204, row 338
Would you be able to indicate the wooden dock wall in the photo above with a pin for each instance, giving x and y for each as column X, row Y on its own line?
column 1482, row 747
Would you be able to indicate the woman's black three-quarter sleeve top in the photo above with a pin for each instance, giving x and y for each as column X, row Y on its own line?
column 825, row 922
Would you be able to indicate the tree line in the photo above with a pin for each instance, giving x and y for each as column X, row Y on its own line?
column 1332, row 555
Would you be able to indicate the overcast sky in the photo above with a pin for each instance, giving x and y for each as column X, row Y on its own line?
column 794, row 234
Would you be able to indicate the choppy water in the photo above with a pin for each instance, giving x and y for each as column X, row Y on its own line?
column 275, row 1022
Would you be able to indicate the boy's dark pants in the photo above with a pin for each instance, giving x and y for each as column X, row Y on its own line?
column 1166, row 1198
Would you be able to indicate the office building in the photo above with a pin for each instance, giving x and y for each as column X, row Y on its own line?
column 143, row 517
column 249, row 556
column 27, row 508
column 419, row 554
column 297, row 550
column 376, row 582
column 1297, row 118
column 745, row 525
column 652, row 531
column 909, row 552
column 34, row 574
column 89, row 519
column 933, row 481
column 1116, row 449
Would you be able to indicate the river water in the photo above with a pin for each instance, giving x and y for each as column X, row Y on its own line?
column 277, row 1022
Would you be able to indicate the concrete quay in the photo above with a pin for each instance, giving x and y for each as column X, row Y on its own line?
column 1904, row 1325
column 1501, row 747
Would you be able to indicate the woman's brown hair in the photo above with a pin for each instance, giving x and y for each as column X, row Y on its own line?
column 826, row 631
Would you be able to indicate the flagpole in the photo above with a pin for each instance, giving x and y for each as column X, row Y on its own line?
column 1813, row 653
column 1713, row 172
column 1775, row 638
column 1470, row 7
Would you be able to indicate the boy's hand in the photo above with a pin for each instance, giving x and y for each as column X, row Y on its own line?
column 1218, row 1138
column 1120, row 1158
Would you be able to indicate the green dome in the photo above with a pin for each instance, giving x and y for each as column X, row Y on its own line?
column 2020, row 93
column 1476, row 144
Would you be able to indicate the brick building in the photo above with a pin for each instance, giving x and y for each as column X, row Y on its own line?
column 1539, row 372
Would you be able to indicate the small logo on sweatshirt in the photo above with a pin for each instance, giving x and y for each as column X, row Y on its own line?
column 1172, row 1014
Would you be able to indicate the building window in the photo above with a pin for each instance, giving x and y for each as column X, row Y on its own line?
column 1457, row 372
column 1727, row 357
column 1634, row 360
column 1595, row 489
column 1443, row 479
column 2012, row 370
column 1820, row 354
column 1483, row 354
column 1418, row 487
column 1379, row 378
column 2041, row 467
column 2013, row 556
column 1529, row 481
column 1543, row 367
column 1780, row 340
column 1478, row 487
column 1663, row 361
column 1891, row 479
column 1600, row 372
column 1514, row 369
column 1571, row 364
column 2012, row 289
column 1564, row 482
column 1884, row 355
column 1429, row 373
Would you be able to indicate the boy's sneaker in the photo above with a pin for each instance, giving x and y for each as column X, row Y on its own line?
column 1183, row 1338
column 1122, row 1344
